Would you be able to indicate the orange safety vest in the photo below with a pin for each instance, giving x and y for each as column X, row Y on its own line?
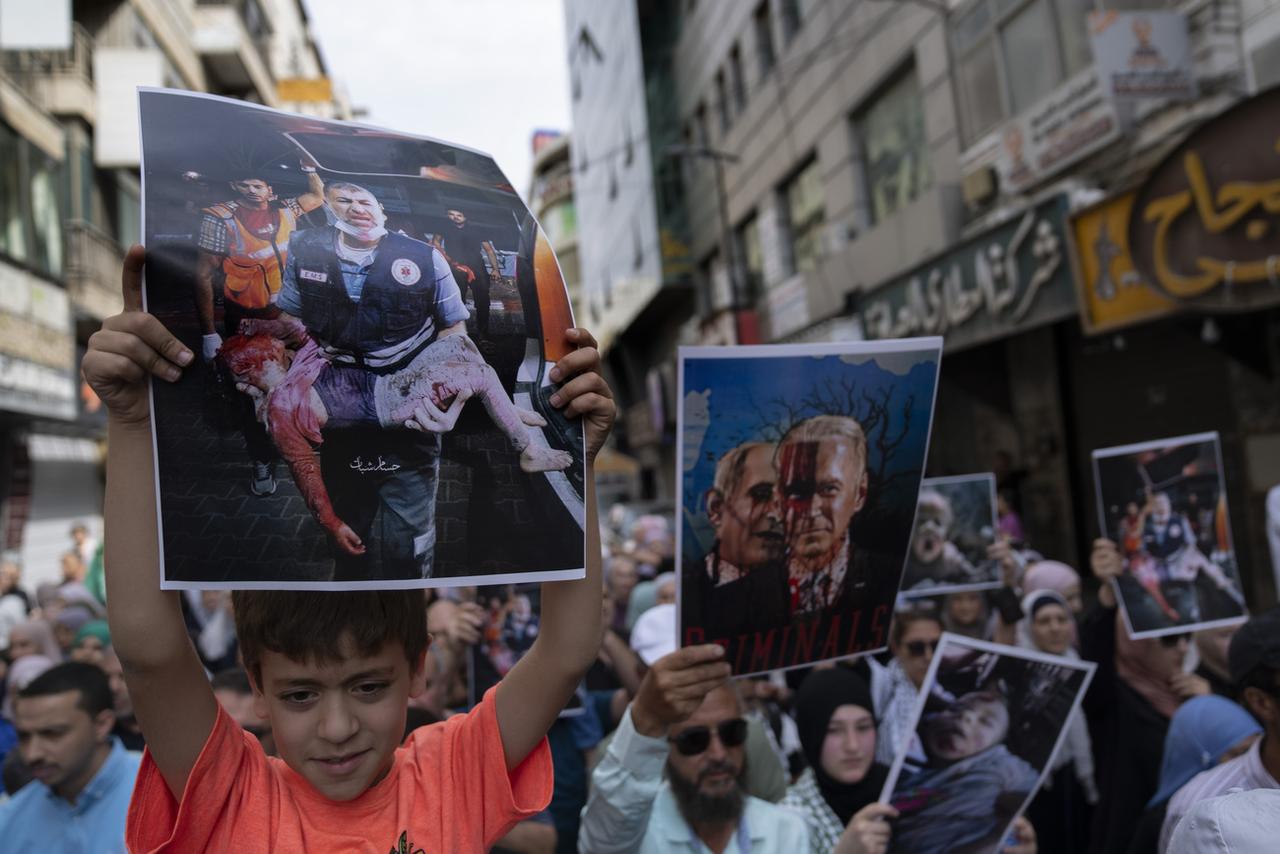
column 253, row 266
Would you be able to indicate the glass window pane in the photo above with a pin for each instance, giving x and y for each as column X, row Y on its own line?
column 894, row 149
column 970, row 27
column 46, row 216
column 805, row 216
column 1073, row 27
column 980, row 83
column 13, row 231
column 1030, row 60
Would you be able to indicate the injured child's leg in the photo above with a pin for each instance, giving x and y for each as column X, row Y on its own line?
column 461, row 375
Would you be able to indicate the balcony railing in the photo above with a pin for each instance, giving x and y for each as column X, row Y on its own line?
column 93, row 270
column 26, row 66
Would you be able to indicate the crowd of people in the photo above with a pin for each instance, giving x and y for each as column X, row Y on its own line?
column 665, row 749
column 346, row 721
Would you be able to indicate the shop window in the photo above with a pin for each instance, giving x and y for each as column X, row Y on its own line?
column 802, row 201
column 766, row 56
column 736, row 80
column 895, row 150
column 750, row 257
column 1011, row 53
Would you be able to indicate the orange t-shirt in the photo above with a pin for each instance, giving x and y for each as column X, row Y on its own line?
column 447, row 791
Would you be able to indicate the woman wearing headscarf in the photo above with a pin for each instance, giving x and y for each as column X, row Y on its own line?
column 966, row 613
column 20, row 676
column 1138, row 686
column 1061, row 809
column 1058, row 577
column 913, row 639
column 837, row 793
column 33, row 637
column 93, row 637
column 1204, row 732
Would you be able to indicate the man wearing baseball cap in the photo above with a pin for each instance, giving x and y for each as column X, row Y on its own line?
column 1254, row 660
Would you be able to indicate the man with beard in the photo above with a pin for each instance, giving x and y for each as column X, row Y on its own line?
column 822, row 465
column 83, row 775
column 373, row 301
column 742, row 586
column 688, row 718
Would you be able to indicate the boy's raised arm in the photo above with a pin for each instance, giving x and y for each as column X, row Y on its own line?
column 535, row 691
column 171, row 696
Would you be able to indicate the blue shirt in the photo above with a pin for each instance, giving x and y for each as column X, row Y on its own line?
column 36, row 819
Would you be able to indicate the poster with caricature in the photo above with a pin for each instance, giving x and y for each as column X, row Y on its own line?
column 377, row 315
column 800, row 467
column 987, row 724
column 1164, row 503
column 955, row 524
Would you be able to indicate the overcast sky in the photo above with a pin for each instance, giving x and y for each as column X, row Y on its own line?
column 484, row 73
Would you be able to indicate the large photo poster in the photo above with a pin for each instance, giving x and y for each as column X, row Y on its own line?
column 1164, row 503
column 377, row 315
column 799, row 471
column 987, row 724
column 955, row 525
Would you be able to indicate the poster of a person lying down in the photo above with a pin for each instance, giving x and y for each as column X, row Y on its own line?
column 513, row 617
column 1164, row 503
column 378, row 314
column 988, row 722
column 955, row 523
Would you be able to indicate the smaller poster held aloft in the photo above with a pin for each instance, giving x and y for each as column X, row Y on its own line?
column 1164, row 503
column 988, row 723
column 800, row 469
column 955, row 523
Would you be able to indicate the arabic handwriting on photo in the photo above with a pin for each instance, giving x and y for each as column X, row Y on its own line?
column 362, row 466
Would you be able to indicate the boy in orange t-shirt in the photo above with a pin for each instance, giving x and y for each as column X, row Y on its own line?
column 332, row 672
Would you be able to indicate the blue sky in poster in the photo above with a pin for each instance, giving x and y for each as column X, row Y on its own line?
column 728, row 401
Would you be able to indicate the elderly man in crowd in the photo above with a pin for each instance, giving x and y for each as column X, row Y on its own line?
column 687, row 718
column 742, row 587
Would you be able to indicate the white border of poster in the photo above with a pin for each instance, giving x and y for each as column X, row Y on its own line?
column 557, row 479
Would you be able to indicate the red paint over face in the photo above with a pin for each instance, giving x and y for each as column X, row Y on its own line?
column 824, row 485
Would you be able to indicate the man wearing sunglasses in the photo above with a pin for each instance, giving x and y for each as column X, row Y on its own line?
column 686, row 720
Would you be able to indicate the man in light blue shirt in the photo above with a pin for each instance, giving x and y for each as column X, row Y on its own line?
column 83, row 775
column 688, row 718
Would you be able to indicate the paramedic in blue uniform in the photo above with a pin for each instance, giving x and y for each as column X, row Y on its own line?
column 373, row 300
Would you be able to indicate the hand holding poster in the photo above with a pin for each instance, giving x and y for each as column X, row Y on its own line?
column 1164, row 503
column 988, row 723
column 955, row 523
column 323, row 271
column 800, row 467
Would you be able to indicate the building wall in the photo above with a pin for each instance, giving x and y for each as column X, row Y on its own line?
column 619, row 249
